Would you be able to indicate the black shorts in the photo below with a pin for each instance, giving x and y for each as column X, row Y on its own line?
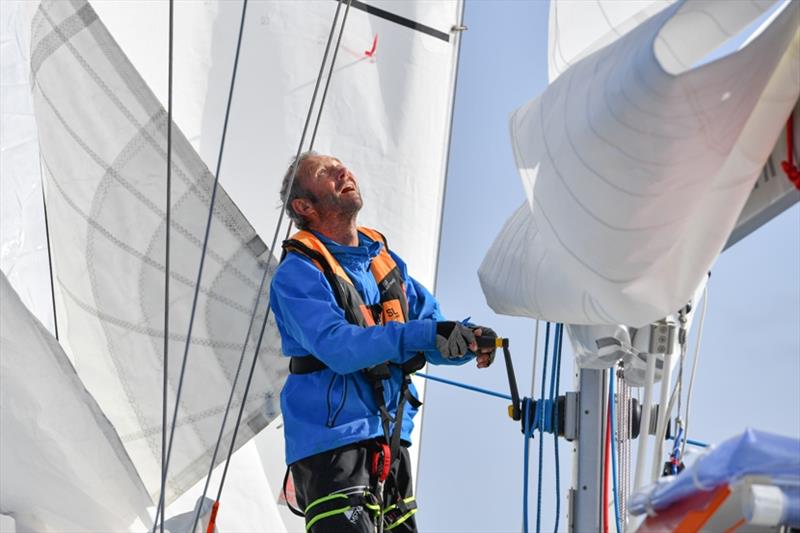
column 337, row 492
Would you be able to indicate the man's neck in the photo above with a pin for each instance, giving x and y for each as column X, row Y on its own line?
column 342, row 231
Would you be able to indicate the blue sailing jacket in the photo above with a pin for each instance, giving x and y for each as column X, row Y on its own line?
column 334, row 407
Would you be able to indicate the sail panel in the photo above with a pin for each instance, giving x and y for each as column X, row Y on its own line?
column 23, row 238
column 386, row 116
column 63, row 465
column 772, row 193
column 578, row 29
column 103, row 149
column 636, row 177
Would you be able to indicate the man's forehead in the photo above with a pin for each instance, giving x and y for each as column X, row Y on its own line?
column 320, row 160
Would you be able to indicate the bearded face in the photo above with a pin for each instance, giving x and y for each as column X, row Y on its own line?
column 333, row 189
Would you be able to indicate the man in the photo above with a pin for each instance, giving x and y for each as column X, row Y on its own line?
column 356, row 325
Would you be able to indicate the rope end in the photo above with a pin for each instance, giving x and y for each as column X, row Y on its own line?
column 212, row 520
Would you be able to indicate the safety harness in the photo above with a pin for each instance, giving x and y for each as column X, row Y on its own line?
column 392, row 307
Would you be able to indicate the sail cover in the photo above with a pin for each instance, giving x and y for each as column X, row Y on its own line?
column 637, row 164
column 63, row 465
column 103, row 148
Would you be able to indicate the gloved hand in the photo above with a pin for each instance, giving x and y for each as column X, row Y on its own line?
column 485, row 331
column 453, row 339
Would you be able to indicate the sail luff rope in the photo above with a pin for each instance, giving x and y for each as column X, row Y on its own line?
column 159, row 510
column 277, row 230
column 167, row 223
column 458, row 35
column 694, row 368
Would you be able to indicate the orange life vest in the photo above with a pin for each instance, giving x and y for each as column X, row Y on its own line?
column 393, row 304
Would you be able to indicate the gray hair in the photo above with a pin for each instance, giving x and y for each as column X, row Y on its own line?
column 297, row 189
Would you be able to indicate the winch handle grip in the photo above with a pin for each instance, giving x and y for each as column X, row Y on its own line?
column 486, row 341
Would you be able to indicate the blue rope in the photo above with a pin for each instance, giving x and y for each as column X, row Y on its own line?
column 554, row 398
column 541, row 440
column 611, row 402
column 464, row 386
column 527, row 410
column 692, row 442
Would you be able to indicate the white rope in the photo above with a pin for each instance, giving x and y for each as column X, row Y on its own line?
column 694, row 368
column 644, row 432
column 535, row 358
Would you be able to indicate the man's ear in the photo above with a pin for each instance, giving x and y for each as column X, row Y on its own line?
column 303, row 207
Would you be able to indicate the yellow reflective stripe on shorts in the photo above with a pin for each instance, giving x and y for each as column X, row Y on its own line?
column 402, row 519
column 394, row 505
column 325, row 499
column 326, row 515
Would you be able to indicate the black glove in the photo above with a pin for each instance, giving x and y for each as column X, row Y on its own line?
column 487, row 332
column 453, row 339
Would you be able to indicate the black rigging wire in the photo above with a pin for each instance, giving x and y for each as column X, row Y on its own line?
column 280, row 216
column 167, row 223
column 264, row 277
column 202, row 259
column 49, row 253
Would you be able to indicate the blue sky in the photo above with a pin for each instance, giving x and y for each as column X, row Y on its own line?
column 471, row 459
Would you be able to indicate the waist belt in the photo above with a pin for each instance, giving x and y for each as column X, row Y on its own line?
column 306, row 364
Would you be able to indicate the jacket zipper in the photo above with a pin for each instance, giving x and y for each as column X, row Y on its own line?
column 333, row 415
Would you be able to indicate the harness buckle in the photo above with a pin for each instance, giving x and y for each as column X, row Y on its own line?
column 378, row 372
column 381, row 462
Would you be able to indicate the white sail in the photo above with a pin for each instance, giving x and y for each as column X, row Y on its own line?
column 63, row 465
column 772, row 193
column 387, row 116
column 637, row 166
column 577, row 29
column 23, row 240
column 103, row 154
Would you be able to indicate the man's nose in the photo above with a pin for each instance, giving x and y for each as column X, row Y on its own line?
column 340, row 172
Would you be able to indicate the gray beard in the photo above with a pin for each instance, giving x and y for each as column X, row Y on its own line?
column 341, row 207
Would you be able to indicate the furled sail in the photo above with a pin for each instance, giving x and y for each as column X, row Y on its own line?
column 103, row 148
column 636, row 166
column 63, row 465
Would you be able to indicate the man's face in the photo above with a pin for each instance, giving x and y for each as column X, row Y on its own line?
column 333, row 186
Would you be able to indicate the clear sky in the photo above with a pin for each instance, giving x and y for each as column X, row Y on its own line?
column 471, row 460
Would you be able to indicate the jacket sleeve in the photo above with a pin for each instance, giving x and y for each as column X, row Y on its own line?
column 422, row 305
column 305, row 308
